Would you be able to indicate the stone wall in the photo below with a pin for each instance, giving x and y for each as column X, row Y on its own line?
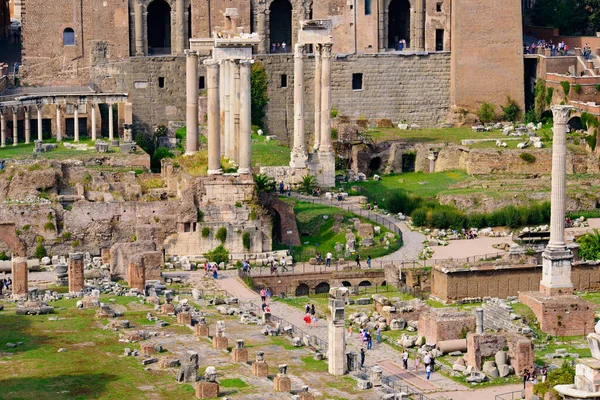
column 520, row 350
column 438, row 325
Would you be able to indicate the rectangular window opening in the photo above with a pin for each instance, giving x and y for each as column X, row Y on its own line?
column 368, row 7
column 201, row 83
column 357, row 81
column 283, row 80
column 439, row 40
column 438, row 7
column 161, row 82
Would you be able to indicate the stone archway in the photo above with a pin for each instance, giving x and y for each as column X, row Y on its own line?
column 302, row 290
column 575, row 123
column 280, row 24
column 159, row 28
column 398, row 23
column 365, row 283
column 346, row 284
column 322, row 287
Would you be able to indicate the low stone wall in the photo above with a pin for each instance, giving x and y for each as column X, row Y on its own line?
column 438, row 325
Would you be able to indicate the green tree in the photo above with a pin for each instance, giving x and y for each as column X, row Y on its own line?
column 308, row 183
column 589, row 245
column 159, row 154
column 540, row 99
column 219, row 254
column 570, row 16
column 259, row 96
column 264, row 183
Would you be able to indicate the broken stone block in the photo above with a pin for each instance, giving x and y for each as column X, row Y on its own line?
column 503, row 370
column 363, row 384
column 150, row 360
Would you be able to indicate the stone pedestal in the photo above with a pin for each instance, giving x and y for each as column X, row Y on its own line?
column 75, row 272
column 167, row 308
column 556, row 272
column 136, row 277
column 147, row 349
column 220, row 342
column 20, row 283
column 239, row 355
column 184, row 318
column 201, row 330
column 282, row 383
column 260, row 369
column 207, row 390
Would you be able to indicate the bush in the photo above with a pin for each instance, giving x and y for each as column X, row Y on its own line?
column 531, row 116
column 487, row 112
column 264, row 183
column 334, row 133
column 40, row 251
column 566, row 86
column 333, row 112
column 76, row 243
column 246, row 240
column 259, row 97
column 511, row 110
column 134, row 238
column 540, row 102
column 221, row 234
column 26, row 227
column 565, row 375
column 238, row 204
column 159, row 154
column 205, row 232
column 549, row 95
column 577, row 88
column 527, row 157
column 308, row 183
column 39, row 239
column 588, row 121
column 591, row 141
column 4, row 256
column 419, row 216
column 218, row 255
column 200, row 216
column 49, row 226
column 66, row 235
column 597, row 87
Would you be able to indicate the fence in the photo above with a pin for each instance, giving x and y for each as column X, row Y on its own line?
column 518, row 395
column 396, row 384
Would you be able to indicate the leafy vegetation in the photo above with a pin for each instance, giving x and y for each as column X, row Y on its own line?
column 487, row 112
column 565, row 375
column 246, row 240
column 4, row 256
column 259, row 97
column 308, row 184
column 527, row 157
column 566, row 86
column 40, row 251
column 159, row 154
column 221, row 234
column 589, row 245
column 265, row 183
column 205, row 232
column 512, row 111
column 218, row 255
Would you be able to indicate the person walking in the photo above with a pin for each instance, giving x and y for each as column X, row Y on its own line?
column 525, row 378
column 268, row 293
column 283, row 47
column 307, row 308
column 328, row 259
column 417, row 363
column 369, row 341
column 312, row 310
column 349, row 335
column 378, row 332
column 362, row 357
column 307, row 320
column 427, row 360
column 369, row 261
column 405, row 359
column 428, row 371
column 281, row 187
column 263, row 295
column 215, row 271
column 357, row 260
column 544, row 370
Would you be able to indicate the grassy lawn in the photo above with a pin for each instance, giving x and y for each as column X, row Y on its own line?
column 267, row 154
column 61, row 152
column 318, row 233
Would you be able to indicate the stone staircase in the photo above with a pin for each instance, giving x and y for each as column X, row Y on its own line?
column 496, row 317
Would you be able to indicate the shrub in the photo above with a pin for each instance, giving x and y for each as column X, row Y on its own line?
column 333, row 112
column 487, row 112
column 40, row 251
column 540, row 102
column 527, row 157
column 334, row 133
column 259, row 97
column 26, row 227
column 597, row 87
column 419, row 216
column 238, row 204
column 549, row 95
column 4, row 256
column 588, row 121
column 264, row 183
column 531, row 116
column 49, row 226
column 218, row 255
column 66, row 235
column 563, row 376
column 75, row 243
column 159, row 154
column 39, row 239
column 591, row 141
column 134, row 238
column 205, row 232
column 577, row 88
column 246, row 240
column 511, row 110
column 200, row 216
column 566, row 86
column 308, row 183
column 221, row 234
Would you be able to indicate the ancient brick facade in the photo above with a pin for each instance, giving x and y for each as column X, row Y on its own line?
column 520, row 350
column 438, row 325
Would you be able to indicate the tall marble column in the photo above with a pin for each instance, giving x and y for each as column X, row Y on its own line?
column 76, row 122
column 227, row 85
column 325, row 145
column 298, row 157
column 58, row 124
column 139, row 29
column 214, row 117
column 111, row 127
column 556, row 258
column 179, row 26
column 221, row 91
column 15, row 126
column 39, row 122
column 2, row 129
column 419, row 36
column 27, row 125
column 318, row 68
column 93, row 112
column 263, row 46
column 245, row 143
column 235, row 143
column 191, row 116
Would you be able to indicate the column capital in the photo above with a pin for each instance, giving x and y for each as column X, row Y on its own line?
column 191, row 53
column 246, row 63
column 326, row 49
column 39, row 106
column 561, row 113
column 299, row 50
column 211, row 63
column 15, row 109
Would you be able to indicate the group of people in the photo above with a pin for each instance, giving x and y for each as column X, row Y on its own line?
column 311, row 319
column 278, row 48
column 326, row 261
column 283, row 189
column 357, row 260
column 265, row 297
column 401, row 45
column 428, row 362
column 214, row 269
column 274, row 264
column 561, row 48
column 5, row 283
column 532, row 376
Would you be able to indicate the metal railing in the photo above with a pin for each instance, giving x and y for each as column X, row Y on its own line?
column 516, row 395
column 395, row 382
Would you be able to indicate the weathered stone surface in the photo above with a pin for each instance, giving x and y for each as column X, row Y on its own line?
column 120, row 254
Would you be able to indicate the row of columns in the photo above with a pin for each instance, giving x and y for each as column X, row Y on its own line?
column 180, row 32
column 228, row 85
column 27, row 119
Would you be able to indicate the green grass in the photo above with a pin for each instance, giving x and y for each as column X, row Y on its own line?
column 312, row 365
column 26, row 151
column 431, row 135
column 266, row 154
column 283, row 342
column 233, row 383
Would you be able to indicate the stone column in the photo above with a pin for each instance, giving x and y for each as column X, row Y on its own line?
column 299, row 156
column 93, row 112
column 39, row 122
column 221, row 86
column 179, row 26
column 139, row 29
column 75, row 272
column 58, row 124
column 2, row 129
column 419, row 37
column 318, row 68
column 325, row 145
column 15, row 126
column 263, row 46
column 235, row 143
column 479, row 320
column 336, row 352
column 111, row 128
column 76, row 122
column 191, row 116
column 20, row 279
column 245, row 143
column 556, row 258
column 227, row 85
column 214, row 117
column 27, row 125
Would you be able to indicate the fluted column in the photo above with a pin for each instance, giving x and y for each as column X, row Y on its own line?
column 191, row 89
column 245, row 145
column 139, row 29
column 93, row 112
column 39, row 122
column 111, row 128
column 227, row 85
column 15, row 126
column 221, row 91
column 27, row 125
column 263, row 46
column 179, row 26
column 58, row 124
column 76, row 122
column 235, row 143
column 318, row 68
column 299, row 157
column 214, row 117
column 419, row 36
column 2, row 129
column 325, row 145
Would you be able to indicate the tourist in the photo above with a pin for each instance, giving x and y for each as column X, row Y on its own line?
column 533, row 378
column 315, row 321
column 16, row 68
column 263, row 306
column 357, row 260
column 525, row 378
column 427, row 360
column 245, row 266
column 307, row 320
column 312, row 310
column 268, row 293
column 361, row 335
column 283, row 48
column 349, row 335
column 362, row 357
column 378, row 331
column 215, row 271
column 268, row 309
column 369, row 341
column 428, row 371
column 206, row 267
column 533, row 48
column 307, row 308
column 283, row 264
column 405, row 359
column 1, row 286
column 328, row 259
column 281, row 187
column 417, row 363
column 289, row 190
column 273, row 48
column 544, row 372
column 319, row 258
column 369, row 261
column 432, row 363
column 263, row 295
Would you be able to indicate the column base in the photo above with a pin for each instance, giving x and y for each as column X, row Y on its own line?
column 326, row 175
column 15, row 144
column 244, row 170
column 298, row 159
column 3, row 145
column 215, row 171
column 191, row 153
column 556, row 271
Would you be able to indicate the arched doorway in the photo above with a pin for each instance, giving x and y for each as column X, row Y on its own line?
column 302, row 290
column 322, row 287
column 159, row 28
column 280, row 25
column 575, row 124
column 365, row 283
column 346, row 284
column 398, row 23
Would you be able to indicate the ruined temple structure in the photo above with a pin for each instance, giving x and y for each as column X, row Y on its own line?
column 138, row 47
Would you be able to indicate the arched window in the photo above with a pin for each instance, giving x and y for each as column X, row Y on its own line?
column 68, row 37
column 280, row 26
column 399, row 24
column 159, row 28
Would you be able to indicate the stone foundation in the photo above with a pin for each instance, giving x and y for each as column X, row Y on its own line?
column 75, row 272
column 260, row 369
column 201, row 330
column 20, row 284
column 184, row 318
column 566, row 315
column 437, row 325
column 147, row 349
column 220, row 342
column 239, row 355
column 207, row 390
column 167, row 308
column 282, row 383
column 520, row 350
